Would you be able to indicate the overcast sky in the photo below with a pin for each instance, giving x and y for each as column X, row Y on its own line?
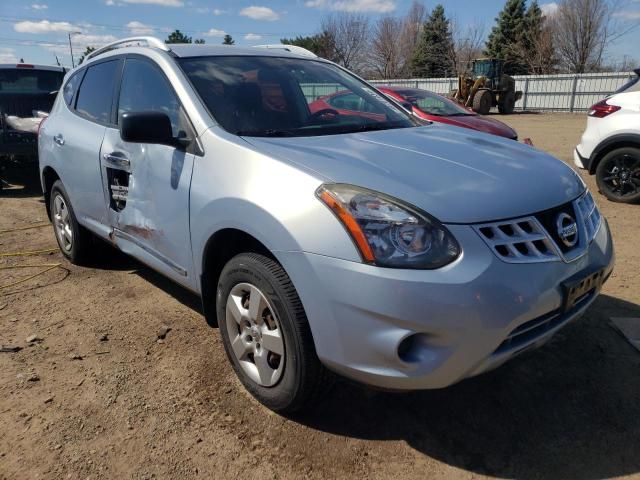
column 38, row 31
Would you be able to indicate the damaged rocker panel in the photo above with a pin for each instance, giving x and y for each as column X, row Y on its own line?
column 130, row 238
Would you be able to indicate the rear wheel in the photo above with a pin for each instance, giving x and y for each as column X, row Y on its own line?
column 508, row 103
column 618, row 175
column 74, row 240
column 266, row 334
column 482, row 102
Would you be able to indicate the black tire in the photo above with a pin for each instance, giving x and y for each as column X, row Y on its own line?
column 79, row 250
column 618, row 175
column 482, row 101
column 303, row 377
column 507, row 104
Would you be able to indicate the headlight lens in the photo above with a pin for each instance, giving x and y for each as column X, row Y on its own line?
column 387, row 232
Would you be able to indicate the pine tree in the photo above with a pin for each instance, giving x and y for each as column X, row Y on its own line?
column 433, row 55
column 321, row 44
column 228, row 40
column 178, row 37
column 507, row 33
column 87, row 51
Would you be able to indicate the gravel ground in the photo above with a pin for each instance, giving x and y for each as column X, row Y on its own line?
column 98, row 395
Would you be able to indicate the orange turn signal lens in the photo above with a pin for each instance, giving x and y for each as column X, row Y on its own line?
column 350, row 224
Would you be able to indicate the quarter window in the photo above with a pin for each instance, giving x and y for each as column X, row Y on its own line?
column 96, row 92
column 71, row 86
column 144, row 88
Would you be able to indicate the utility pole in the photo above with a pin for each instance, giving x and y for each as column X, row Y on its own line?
column 73, row 65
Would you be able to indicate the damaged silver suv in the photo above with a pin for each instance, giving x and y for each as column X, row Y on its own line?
column 348, row 238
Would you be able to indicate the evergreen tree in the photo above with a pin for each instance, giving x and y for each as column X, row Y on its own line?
column 508, row 33
column 321, row 44
column 199, row 41
column 87, row 51
column 228, row 40
column 178, row 37
column 433, row 54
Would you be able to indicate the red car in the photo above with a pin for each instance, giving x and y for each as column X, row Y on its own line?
column 436, row 108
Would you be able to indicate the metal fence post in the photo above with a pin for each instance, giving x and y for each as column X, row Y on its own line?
column 574, row 85
column 524, row 94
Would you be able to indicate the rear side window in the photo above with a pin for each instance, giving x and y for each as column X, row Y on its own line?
column 71, row 86
column 96, row 92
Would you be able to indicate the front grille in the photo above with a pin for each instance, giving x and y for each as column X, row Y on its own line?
column 535, row 238
column 518, row 241
column 548, row 221
column 590, row 214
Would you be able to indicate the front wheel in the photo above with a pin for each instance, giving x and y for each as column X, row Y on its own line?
column 618, row 175
column 266, row 334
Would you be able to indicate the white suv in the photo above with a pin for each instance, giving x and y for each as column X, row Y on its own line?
column 610, row 145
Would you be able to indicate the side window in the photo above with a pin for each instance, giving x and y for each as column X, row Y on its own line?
column 96, row 90
column 71, row 86
column 144, row 88
column 347, row 101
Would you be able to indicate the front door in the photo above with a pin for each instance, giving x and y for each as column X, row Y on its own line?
column 147, row 185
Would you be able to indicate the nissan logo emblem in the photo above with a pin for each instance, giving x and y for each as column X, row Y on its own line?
column 567, row 229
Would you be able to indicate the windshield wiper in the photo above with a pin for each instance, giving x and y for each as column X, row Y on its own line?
column 266, row 133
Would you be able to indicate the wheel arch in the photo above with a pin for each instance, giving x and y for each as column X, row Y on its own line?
column 608, row 145
column 49, row 177
column 223, row 245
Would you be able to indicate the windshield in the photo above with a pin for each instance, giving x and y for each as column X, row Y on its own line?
column 273, row 96
column 432, row 103
column 16, row 80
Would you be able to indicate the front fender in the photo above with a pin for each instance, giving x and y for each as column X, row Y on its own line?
column 301, row 226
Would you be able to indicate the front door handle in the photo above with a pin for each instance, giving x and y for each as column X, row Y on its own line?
column 116, row 158
column 59, row 139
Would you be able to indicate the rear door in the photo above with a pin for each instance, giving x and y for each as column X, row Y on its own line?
column 78, row 131
column 146, row 186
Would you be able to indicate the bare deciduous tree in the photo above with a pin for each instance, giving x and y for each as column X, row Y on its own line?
column 348, row 34
column 412, row 25
column 387, row 52
column 467, row 44
column 582, row 30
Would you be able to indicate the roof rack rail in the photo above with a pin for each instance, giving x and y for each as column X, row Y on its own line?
column 130, row 42
column 289, row 48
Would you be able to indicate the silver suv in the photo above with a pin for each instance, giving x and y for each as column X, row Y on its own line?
column 351, row 239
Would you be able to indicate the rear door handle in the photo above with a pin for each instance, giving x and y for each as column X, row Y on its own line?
column 116, row 158
column 59, row 139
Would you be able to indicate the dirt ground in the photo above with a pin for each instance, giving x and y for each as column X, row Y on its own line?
column 100, row 396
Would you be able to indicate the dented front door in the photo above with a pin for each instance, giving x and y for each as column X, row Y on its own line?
column 147, row 192
column 147, row 185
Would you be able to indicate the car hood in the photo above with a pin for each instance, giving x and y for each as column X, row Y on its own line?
column 484, row 124
column 456, row 175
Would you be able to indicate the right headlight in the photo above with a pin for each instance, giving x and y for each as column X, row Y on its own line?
column 387, row 232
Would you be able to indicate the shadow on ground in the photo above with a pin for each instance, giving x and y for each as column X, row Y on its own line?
column 568, row 410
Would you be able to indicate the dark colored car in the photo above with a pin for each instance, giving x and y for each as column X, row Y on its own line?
column 436, row 108
column 24, row 89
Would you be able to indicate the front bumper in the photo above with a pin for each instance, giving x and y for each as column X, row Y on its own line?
column 464, row 314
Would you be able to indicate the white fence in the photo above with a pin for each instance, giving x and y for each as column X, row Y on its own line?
column 559, row 93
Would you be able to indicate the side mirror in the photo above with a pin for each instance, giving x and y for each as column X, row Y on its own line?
column 147, row 127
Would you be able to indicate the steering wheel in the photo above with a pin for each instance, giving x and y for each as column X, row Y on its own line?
column 324, row 111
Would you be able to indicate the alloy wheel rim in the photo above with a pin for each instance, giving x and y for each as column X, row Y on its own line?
column 622, row 175
column 62, row 223
column 255, row 335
